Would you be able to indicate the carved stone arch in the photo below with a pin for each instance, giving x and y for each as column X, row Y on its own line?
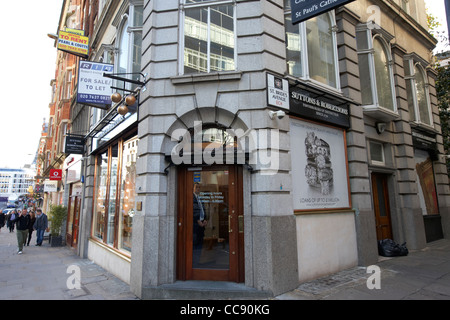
column 189, row 122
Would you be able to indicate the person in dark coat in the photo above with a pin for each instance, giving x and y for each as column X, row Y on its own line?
column 22, row 223
column 30, row 227
column 12, row 215
column 2, row 219
column 200, row 221
column 40, row 226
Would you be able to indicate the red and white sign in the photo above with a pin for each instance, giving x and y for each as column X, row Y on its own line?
column 55, row 174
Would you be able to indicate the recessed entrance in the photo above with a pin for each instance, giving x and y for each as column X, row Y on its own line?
column 382, row 207
column 210, row 224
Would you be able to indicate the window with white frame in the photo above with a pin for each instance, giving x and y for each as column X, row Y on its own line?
column 376, row 69
column 377, row 156
column 417, row 91
column 311, row 49
column 209, row 37
column 129, row 44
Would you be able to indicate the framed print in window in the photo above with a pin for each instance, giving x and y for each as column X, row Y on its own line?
column 319, row 167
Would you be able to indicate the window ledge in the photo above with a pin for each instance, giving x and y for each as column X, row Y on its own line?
column 423, row 126
column 380, row 113
column 206, row 77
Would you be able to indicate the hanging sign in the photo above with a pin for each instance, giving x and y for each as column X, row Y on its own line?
column 93, row 87
column 74, row 145
column 303, row 10
column 56, row 174
column 75, row 44
column 50, row 186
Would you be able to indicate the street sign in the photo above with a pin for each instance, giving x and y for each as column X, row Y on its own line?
column 303, row 10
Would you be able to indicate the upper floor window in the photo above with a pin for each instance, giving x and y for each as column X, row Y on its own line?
column 417, row 91
column 311, row 49
column 129, row 44
column 209, row 36
column 376, row 70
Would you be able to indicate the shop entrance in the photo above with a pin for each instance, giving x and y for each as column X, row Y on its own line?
column 72, row 221
column 210, row 223
column 381, row 206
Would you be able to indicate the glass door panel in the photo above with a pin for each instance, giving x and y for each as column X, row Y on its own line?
column 210, row 230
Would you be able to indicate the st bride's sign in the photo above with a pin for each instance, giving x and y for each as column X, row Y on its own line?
column 303, row 10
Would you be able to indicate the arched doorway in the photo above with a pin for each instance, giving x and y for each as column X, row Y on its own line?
column 210, row 221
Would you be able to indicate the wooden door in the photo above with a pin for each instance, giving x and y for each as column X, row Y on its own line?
column 382, row 207
column 76, row 219
column 210, row 224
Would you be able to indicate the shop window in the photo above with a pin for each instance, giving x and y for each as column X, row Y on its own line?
column 127, row 193
column 101, row 177
column 311, row 49
column 209, row 37
column 376, row 72
column 417, row 91
column 114, row 201
column 112, row 194
column 426, row 186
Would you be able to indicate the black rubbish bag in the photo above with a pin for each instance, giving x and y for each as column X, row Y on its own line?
column 389, row 248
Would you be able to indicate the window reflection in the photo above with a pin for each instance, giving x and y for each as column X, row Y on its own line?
column 127, row 193
column 100, row 197
column 209, row 39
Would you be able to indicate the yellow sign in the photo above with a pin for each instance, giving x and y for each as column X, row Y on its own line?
column 73, row 43
column 75, row 31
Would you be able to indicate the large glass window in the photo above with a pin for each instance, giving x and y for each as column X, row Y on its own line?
column 209, row 37
column 101, row 178
column 417, row 93
column 127, row 193
column 375, row 69
column 114, row 197
column 383, row 75
column 129, row 45
column 311, row 50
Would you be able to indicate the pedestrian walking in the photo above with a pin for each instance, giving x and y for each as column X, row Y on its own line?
column 40, row 226
column 2, row 220
column 10, row 220
column 23, row 222
column 31, row 226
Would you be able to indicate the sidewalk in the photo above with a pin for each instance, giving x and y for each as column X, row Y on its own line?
column 42, row 273
column 422, row 275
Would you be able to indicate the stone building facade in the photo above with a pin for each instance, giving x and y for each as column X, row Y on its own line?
column 263, row 154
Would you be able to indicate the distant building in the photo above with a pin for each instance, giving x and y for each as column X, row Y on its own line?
column 15, row 182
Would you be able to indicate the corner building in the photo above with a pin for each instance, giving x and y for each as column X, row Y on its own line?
column 269, row 154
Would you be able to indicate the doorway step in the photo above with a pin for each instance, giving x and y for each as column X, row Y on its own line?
column 195, row 290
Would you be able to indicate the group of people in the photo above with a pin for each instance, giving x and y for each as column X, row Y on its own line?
column 25, row 222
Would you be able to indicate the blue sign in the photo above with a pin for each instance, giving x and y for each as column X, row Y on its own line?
column 303, row 10
column 93, row 87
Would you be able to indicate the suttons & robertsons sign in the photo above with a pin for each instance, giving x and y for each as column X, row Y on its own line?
column 303, row 10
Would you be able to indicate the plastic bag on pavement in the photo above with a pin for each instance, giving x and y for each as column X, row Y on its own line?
column 389, row 248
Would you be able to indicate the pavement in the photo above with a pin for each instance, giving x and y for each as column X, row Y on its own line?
column 57, row 273
column 51, row 273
